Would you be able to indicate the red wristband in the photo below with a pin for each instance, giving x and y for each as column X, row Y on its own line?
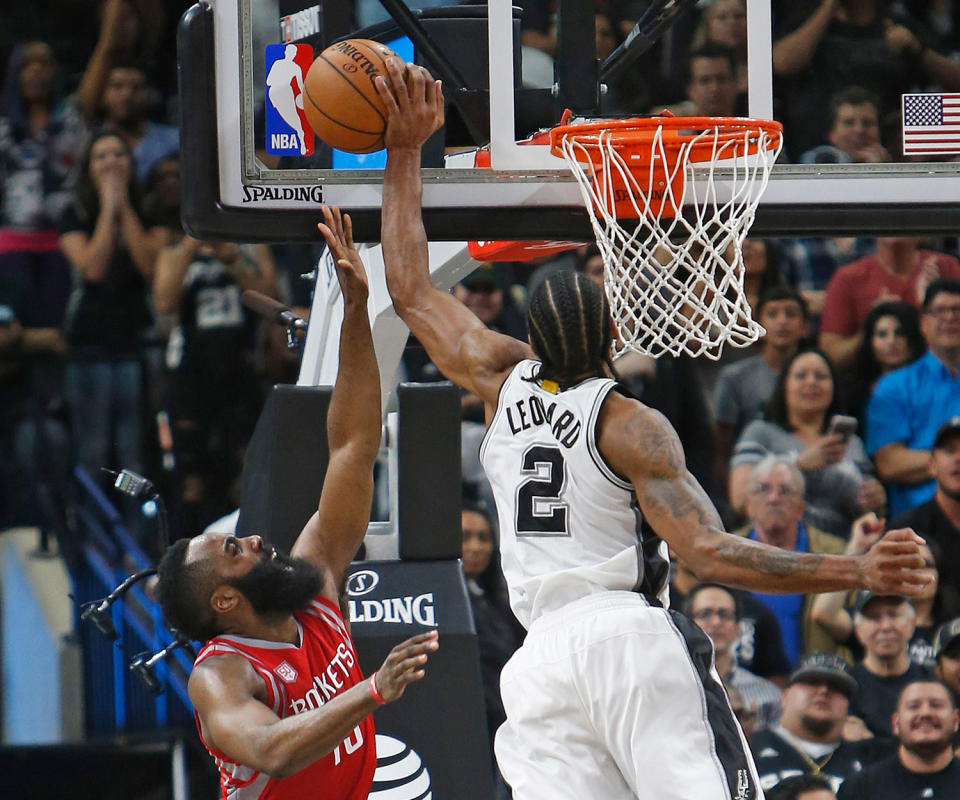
column 373, row 690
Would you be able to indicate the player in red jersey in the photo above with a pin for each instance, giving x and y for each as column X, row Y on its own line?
column 280, row 700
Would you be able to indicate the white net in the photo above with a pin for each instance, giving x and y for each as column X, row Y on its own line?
column 675, row 281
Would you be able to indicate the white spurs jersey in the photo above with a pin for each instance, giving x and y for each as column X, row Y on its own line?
column 569, row 525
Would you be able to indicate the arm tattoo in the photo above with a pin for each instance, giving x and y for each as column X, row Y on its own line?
column 678, row 498
column 652, row 437
column 772, row 561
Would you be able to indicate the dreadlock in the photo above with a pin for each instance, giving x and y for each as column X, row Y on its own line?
column 570, row 328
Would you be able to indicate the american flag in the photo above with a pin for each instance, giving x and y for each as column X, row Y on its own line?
column 931, row 124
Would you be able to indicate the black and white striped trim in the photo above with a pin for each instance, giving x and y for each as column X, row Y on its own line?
column 594, row 451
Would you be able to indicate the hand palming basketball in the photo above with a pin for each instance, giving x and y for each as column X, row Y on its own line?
column 414, row 103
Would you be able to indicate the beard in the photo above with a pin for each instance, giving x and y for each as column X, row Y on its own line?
column 928, row 751
column 818, row 727
column 280, row 585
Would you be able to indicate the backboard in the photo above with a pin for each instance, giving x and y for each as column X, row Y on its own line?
column 239, row 190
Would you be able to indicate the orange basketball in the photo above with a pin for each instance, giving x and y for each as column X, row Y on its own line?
column 342, row 104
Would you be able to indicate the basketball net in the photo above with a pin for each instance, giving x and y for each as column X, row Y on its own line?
column 674, row 280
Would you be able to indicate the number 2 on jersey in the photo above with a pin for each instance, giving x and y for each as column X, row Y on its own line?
column 539, row 509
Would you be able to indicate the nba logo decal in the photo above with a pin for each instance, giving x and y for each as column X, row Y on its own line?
column 287, row 673
column 288, row 133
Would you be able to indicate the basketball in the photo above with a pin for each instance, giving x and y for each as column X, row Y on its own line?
column 342, row 104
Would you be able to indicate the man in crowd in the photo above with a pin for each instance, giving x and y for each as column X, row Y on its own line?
column 883, row 626
column 924, row 765
column 711, row 83
column 809, row 738
column 743, row 388
column 716, row 609
column 802, row 787
column 938, row 519
column 854, row 131
column 946, row 649
column 899, row 270
column 775, row 507
column 909, row 404
column 759, row 647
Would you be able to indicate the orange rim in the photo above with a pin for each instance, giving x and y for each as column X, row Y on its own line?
column 630, row 135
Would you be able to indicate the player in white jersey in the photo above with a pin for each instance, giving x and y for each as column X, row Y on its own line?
column 612, row 695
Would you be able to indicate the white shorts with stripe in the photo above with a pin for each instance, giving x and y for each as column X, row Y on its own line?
column 610, row 698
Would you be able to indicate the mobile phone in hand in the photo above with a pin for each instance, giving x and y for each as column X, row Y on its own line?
column 844, row 425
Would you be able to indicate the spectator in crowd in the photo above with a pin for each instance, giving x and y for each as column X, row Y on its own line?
column 775, row 508
column 946, row 648
column 761, row 270
column 716, row 609
column 890, row 339
column 113, row 252
column 801, row 787
column 829, row 612
column 884, row 627
column 818, row 43
column 900, row 270
column 161, row 198
column 924, row 765
column 725, row 22
column 837, row 472
column 745, row 713
column 808, row 263
column 210, row 355
column 125, row 108
column 759, row 645
column 810, row 737
column 909, row 404
column 41, row 138
column 710, row 83
column 486, row 292
column 498, row 632
column 627, row 93
column 129, row 29
column 854, row 132
column 743, row 389
column 938, row 519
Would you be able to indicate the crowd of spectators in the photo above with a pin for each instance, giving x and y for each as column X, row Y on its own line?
column 123, row 344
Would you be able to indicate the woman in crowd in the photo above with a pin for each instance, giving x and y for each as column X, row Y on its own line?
column 41, row 137
column 839, row 482
column 112, row 251
column 890, row 339
column 498, row 632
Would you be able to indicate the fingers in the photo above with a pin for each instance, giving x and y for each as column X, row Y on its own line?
column 348, row 230
column 903, row 535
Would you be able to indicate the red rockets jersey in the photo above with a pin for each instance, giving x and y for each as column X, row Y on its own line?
column 299, row 678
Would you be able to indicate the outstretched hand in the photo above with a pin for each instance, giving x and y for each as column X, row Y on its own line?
column 414, row 102
column 337, row 229
column 404, row 665
column 895, row 565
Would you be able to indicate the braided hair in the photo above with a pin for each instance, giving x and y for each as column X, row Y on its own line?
column 570, row 328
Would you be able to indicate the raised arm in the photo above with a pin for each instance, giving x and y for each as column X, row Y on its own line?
column 230, row 700
column 454, row 338
column 333, row 534
column 640, row 443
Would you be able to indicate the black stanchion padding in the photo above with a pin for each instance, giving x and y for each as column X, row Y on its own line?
column 429, row 482
column 285, row 464
column 441, row 717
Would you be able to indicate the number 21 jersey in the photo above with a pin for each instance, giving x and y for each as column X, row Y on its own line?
column 569, row 525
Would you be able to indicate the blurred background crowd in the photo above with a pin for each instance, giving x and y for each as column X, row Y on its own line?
column 123, row 344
